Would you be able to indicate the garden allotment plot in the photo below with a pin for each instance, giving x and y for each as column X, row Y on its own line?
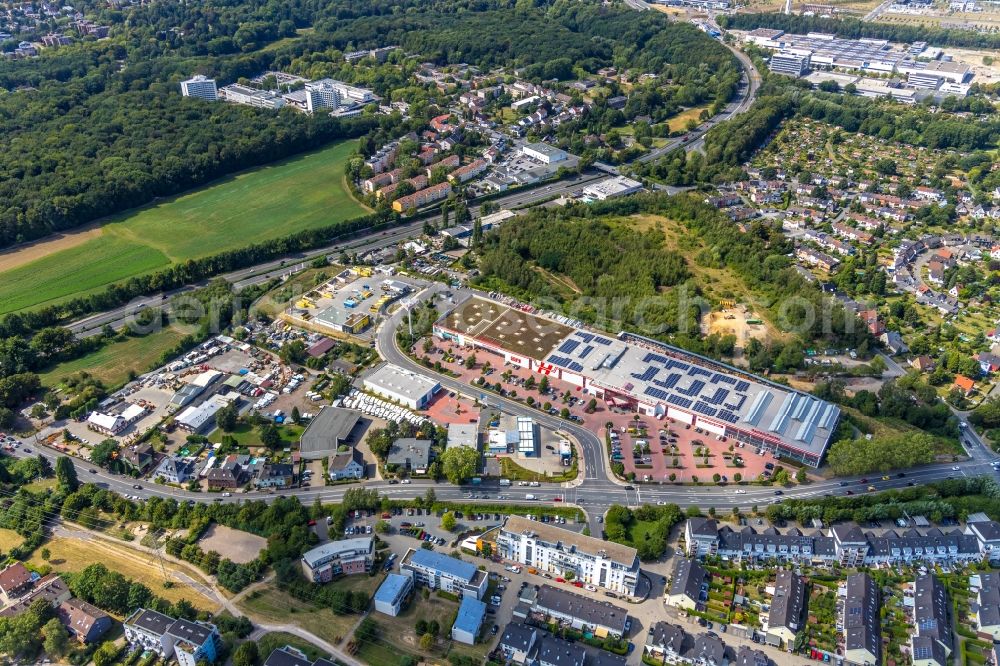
column 267, row 202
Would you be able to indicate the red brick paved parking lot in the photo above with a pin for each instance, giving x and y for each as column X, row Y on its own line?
column 698, row 455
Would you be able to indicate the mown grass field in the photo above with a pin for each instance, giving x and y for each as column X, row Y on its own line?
column 267, row 202
column 246, row 435
column 112, row 363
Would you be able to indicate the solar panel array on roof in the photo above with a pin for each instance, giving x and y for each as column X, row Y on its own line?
column 736, row 402
column 647, row 374
column 728, row 416
column 680, row 401
column 659, row 394
column 568, row 346
column 695, row 388
column 700, row 386
column 703, row 408
column 669, row 382
column 720, row 395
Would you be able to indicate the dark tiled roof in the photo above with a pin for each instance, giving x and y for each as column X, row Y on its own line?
column 587, row 610
column 688, row 578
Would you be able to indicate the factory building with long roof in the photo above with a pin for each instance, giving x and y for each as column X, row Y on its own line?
column 651, row 378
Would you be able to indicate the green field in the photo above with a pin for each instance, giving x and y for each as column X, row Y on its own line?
column 112, row 362
column 300, row 193
column 246, row 435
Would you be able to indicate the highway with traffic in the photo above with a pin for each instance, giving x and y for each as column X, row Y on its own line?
column 360, row 243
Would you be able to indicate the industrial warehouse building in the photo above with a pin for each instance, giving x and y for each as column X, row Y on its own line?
column 635, row 373
column 618, row 186
column 328, row 430
column 544, row 153
column 611, row 566
column 407, row 388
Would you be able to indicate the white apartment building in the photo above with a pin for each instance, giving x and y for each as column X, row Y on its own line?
column 442, row 572
column 543, row 546
column 200, row 86
column 331, row 94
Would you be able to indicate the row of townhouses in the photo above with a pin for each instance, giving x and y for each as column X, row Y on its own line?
column 845, row 544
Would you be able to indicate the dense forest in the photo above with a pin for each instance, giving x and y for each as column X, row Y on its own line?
column 605, row 260
column 852, row 28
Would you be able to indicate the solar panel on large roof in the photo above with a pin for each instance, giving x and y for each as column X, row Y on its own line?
column 737, row 402
column 720, row 395
column 602, row 341
column 575, row 367
column 587, row 337
column 568, row 346
column 654, row 357
column 742, row 386
column 559, row 360
column 700, row 371
column 586, row 350
column 695, row 388
column 647, row 374
column 656, row 393
column 703, row 408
